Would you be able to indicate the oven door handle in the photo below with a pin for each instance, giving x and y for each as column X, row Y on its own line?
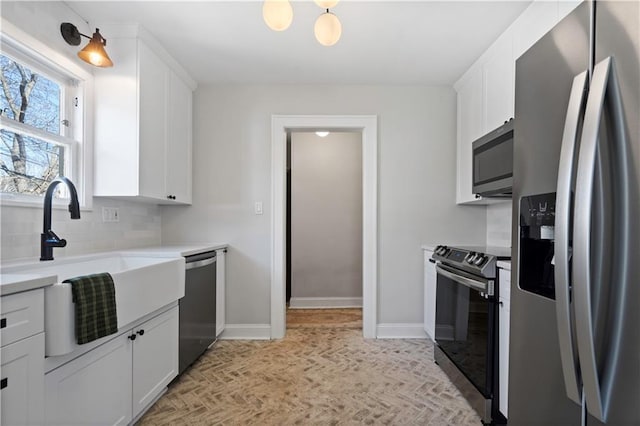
column 465, row 281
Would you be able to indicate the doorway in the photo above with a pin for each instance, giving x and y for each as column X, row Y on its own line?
column 324, row 225
column 367, row 126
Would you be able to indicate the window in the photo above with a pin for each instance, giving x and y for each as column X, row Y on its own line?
column 42, row 121
column 36, row 145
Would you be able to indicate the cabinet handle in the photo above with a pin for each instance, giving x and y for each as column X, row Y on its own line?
column 171, row 197
column 4, row 383
column 477, row 195
column 501, row 303
column 141, row 332
column 3, row 323
column 132, row 337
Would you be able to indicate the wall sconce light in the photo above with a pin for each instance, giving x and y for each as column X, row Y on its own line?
column 93, row 53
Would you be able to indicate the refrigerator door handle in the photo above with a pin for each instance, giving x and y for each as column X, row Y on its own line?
column 597, row 387
column 568, row 351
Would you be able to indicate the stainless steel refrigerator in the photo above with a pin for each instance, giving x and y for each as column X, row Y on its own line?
column 575, row 301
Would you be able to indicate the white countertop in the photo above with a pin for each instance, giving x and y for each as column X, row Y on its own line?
column 177, row 249
column 504, row 264
column 15, row 283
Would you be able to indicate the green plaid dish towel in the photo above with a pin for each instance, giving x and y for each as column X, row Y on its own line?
column 94, row 297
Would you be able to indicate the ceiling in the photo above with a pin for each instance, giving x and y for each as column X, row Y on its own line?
column 383, row 42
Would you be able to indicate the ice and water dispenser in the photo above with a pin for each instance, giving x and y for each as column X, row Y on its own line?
column 537, row 225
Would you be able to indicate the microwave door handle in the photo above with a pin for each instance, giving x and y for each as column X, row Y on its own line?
column 568, row 350
column 604, row 87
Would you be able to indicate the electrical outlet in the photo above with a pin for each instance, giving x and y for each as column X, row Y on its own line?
column 110, row 214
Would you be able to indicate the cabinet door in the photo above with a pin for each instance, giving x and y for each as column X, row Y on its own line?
column 469, row 129
column 22, row 374
column 429, row 295
column 178, row 155
column 503, row 353
column 92, row 389
column 155, row 358
column 153, row 75
column 220, row 290
column 498, row 72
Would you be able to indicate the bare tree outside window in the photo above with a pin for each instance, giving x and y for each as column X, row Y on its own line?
column 28, row 164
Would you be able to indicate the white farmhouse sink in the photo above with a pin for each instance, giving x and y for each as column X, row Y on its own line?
column 143, row 285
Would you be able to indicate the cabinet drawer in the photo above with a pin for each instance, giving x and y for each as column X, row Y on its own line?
column 22, row 315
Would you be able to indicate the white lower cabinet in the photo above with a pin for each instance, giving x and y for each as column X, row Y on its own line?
column 503, row 339
column 221, row 273
column 22, row 373
column 155, row 358
column 92, row 389
column 115, row 382
column 429, row 295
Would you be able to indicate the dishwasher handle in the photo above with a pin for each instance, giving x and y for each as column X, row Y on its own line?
column 200, row 263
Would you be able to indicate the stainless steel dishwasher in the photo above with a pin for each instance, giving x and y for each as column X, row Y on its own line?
column 197, row 308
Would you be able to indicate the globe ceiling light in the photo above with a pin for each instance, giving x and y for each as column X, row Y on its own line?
column 326, row 4
column 322, row 133
column 277, row 14
column 328, row 29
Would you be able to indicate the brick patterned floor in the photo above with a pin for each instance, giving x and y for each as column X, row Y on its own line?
column 314, row 376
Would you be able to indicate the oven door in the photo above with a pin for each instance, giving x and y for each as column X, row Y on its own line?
column 465, row 324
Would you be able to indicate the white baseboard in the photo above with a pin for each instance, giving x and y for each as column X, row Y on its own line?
column 325, row 302
column 401, row 331
column 246, row 332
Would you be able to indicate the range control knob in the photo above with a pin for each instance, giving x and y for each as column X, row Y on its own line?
column 469, row 257
column 445, row 250
column 480, row 259
column 437, row 250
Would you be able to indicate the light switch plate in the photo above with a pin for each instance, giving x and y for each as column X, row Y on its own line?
column 258, row 207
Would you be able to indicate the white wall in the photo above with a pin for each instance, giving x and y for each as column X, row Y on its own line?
column 416, row 188
column 21, row 227
column 499, row 224
column 326, row 215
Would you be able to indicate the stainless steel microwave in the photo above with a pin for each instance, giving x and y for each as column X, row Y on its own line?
column 493, row 162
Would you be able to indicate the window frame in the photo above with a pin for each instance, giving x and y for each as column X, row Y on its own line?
column 76, row 83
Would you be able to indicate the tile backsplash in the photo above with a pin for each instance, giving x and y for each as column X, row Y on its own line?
column 499, row 224
column 139, row 226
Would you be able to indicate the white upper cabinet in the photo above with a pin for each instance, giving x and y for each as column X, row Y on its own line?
column 469, row 129
column 486, row 91
column 498, row 73
column 534, row 22
column 153, row 85
column 143, row 120
column 178, row 158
